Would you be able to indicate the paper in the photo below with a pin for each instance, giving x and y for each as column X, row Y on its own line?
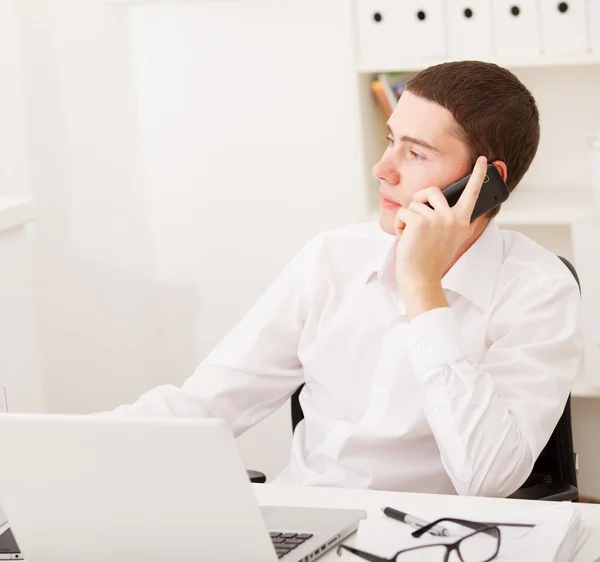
column 556, row 537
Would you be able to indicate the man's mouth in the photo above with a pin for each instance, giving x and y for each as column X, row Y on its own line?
column 386, row 203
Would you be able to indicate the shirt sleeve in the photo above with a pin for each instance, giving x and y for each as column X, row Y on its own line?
column 255, row 368
column 491, row 420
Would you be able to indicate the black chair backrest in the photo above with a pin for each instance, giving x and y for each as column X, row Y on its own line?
column 297, row 413
column 556, row 463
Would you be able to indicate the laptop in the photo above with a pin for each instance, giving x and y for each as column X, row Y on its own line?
column 100, row 488
column 9, row 549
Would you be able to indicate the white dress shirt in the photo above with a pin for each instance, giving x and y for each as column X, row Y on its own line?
column 460, row 400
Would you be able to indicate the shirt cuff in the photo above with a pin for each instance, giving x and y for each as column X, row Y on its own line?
column 434, row 339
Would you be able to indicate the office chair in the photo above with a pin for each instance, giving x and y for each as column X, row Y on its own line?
column 554, row 476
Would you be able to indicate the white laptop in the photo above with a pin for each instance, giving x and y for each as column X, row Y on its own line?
column 103, row 488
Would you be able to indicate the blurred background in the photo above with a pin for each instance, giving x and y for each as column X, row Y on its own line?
column 161, row 161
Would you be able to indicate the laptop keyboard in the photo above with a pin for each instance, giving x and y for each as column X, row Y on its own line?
column 286, row 542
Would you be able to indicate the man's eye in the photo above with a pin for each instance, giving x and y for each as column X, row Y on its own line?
column 390, row 140
column 415, row 155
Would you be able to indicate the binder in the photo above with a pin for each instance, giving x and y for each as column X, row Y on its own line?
column 401, row 30
column 469, row 29
column 516, row 28
column 593, row 17
column 378, row 26
column 563, row 27
column 421, row 30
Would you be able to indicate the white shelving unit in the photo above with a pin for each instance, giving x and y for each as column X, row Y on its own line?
column 529, row 206
column 554, row 199
column 394, row 65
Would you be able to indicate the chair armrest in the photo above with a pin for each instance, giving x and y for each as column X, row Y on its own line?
column 548, row 492
column 256, row 477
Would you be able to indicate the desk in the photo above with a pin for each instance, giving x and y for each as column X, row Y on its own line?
column 372, row 501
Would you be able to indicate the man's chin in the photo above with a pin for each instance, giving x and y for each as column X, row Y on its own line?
column 386, row 223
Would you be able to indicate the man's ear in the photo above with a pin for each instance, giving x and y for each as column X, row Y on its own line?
column 501, row 167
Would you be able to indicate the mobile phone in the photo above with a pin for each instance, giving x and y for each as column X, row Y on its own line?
column 493, row 192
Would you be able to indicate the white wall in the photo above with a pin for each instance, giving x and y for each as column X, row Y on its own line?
column 567, row 101
column 237, row 102
column 102, row 315
column 169, row 197
column 13, row 158
column 585, row 415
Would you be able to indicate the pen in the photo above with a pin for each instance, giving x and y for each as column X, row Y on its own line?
column 415, row 522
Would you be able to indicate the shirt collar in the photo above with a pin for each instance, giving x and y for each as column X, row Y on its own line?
column 382, row 259
column 473, row 276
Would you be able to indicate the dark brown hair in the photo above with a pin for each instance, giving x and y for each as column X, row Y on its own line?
column 496, row 114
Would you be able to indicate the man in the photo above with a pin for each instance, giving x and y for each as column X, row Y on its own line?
column 437, row 354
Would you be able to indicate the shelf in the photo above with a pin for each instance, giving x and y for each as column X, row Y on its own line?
column 548, row 206
column 370, row 66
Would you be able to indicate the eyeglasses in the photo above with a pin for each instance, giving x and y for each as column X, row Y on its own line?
column 480, row 545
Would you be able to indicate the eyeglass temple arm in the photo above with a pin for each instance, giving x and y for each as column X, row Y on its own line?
column 362, row 554
column 470, row 524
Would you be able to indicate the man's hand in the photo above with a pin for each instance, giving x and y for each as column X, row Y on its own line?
column 430, row 237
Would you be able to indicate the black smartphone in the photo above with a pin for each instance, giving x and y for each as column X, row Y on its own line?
column 493, row 192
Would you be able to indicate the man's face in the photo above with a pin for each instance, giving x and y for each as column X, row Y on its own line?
column 424, row 151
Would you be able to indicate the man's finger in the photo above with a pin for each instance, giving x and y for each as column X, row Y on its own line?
column 403, row 218
column 465, row 205
column 434, row 198
column 421, row 209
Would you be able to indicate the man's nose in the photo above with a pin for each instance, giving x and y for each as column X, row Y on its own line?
column 384, row 171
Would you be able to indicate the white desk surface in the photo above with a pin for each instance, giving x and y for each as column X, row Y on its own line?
column 416, row 504
column 15, row 211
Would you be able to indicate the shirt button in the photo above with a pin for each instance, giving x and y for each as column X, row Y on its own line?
column 387, row 372
column 421, row 346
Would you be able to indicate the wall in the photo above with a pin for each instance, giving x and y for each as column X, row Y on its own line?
column 102, row 314
column 169, row 197
column 248, row 152
column 13, row 162
column 586, row 421
column 567, row 118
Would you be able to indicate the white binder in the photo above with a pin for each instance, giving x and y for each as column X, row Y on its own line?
column 407, row 30
column 516, row 33
column 469, row 29
column 422, row 30
column 563, row 27
column 378, row 25
column 593, row 18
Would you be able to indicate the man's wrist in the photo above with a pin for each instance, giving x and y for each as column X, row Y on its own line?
column 421, row 295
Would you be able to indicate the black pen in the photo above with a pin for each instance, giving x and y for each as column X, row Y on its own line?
column 414, row 522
